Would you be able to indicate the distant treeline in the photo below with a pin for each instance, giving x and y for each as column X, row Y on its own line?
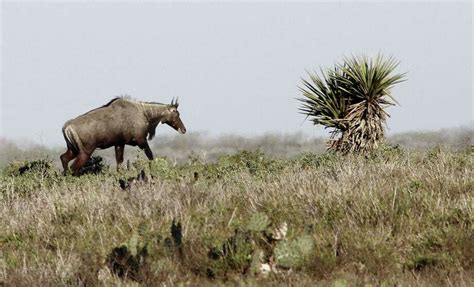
column 180, row 148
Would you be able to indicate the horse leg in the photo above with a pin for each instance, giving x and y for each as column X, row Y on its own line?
column 81, row 159
column 66, row 158
column 119, row 155
column 149, row 154
column 144, row 146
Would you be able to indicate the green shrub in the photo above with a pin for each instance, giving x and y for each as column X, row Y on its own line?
column 311, row 160
column 27, row 176
column 159, row 167
column 253, row 162
column 38, row 168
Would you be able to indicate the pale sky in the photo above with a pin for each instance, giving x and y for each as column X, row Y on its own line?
column 235, row 67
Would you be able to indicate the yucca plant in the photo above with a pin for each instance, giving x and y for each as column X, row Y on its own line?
column 351, row 99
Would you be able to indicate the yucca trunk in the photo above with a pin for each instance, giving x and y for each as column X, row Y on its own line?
column 364, row 132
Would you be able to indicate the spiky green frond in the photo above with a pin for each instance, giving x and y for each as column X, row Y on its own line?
column 367, row 79
column 322, row 101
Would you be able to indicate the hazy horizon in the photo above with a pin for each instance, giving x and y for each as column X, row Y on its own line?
column 461, row 136
column 235, row 67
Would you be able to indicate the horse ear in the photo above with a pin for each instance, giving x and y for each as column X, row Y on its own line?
column 174, row 102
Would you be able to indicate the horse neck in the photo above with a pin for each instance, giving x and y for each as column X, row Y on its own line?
column 153, row 112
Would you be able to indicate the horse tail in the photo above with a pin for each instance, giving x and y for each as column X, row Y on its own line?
column 72, row 139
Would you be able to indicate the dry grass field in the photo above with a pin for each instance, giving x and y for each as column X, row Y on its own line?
column 392, row 218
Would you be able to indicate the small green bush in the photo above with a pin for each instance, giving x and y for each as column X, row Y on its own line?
column 38, row 168
column 311, row 160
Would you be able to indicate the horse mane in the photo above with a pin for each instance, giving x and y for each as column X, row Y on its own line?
column 130, row 99
column 153, row 103
column 126, row 98
column 122, row 97
column 111, row 101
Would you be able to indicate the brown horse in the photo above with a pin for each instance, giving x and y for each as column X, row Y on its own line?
column 120, row 122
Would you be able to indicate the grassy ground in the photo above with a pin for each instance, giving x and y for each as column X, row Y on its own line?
column 391, row 218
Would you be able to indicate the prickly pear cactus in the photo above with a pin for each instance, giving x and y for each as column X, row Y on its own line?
column 132, row 244
column 304, row 244
column 293, row 253
column 126, row 260
column 142, row 230
column 137, row 243
column 258, row 222
column 286, row 255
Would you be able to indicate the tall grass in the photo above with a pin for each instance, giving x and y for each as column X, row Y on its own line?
column 392, row 218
